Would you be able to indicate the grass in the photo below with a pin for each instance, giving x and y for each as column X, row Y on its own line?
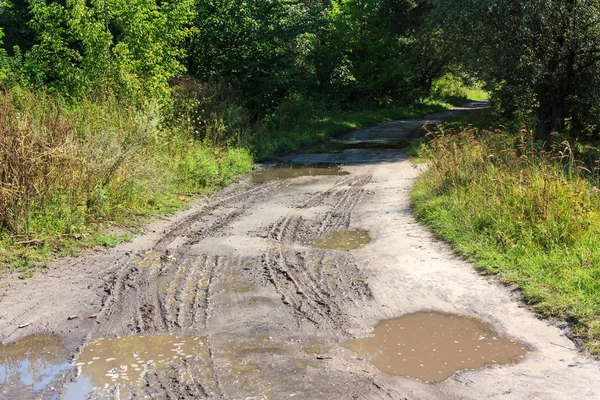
column 72, row 172
column 527, row 213
column 310, row 130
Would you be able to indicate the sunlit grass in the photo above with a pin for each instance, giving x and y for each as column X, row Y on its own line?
column 311, row 130
column 528, row 214
column 70, row 173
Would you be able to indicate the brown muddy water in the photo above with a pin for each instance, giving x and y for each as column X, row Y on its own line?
column 431, row 346
column 343, row 240
column 123, row 361
column 31, row 365
column 290, row 171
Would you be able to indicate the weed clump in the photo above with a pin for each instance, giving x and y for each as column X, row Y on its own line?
column 525, row 210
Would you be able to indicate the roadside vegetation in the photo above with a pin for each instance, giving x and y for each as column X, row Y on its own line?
column 525, row 210
column 114, row 111
column 111, row 112
column 515, row 188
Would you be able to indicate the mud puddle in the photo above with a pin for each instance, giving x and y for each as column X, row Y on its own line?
column 122, row 362
column 432, row 346
column 343, row 240
column 341, row 146
column 31, row 365
column 290, row 171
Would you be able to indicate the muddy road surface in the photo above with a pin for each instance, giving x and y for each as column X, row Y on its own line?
column 307, row 282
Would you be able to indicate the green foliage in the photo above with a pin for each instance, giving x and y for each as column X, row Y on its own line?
column 309, row 129
column 127, row 48
column 251, row 45
column 528, row 214
column 365, row 60
column 4, row 61
column 453, row 89
column 69, row 170
column 343, row 53
column 100, row 124
column 537, row 58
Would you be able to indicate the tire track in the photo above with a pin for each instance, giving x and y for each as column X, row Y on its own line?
column 244, row 195
column 320, row 297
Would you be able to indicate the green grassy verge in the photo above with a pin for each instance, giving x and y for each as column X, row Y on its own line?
column 72, row 173
column 527, row 213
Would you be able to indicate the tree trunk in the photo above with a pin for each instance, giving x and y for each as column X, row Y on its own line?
column 552, row 108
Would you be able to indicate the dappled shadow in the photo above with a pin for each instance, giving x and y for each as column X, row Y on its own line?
column 378, row 144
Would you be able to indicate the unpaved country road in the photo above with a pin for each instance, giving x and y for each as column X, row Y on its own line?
column 262, row 314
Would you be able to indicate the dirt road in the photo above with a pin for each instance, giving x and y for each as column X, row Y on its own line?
column 242, row 297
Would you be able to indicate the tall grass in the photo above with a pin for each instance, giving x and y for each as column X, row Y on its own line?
column 66, row 171
column 526, row 211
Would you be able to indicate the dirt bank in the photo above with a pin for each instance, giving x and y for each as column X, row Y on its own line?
column 270, row 312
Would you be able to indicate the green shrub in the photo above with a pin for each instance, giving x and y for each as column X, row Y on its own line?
column 69, row 170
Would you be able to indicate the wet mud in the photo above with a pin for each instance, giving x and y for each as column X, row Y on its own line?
column 252, row 293
column 120, row 365
column 432, row 346
column 33, row 364
column 343, row 240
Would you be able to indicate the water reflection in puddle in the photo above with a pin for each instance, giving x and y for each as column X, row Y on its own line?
column 288, row 171
column 343, row 240
column 31, row 365
column 122, row 362
column 431, row 346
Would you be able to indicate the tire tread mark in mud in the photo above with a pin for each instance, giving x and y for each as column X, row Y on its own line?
column 171, row 301
column 321, row 197
column 188, row 295
column 340, row 216
column 314, row 299
column 200, row 301
column 317, row 283
column 361, row 180
column 149, row 310
column 217, row 264
column 208, row 229
column 290, row 229
column 116, row 287
column 195, row 374
column 250, row 196
column 271, row 274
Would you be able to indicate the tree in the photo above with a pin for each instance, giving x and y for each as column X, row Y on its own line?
column 124, row 47
column 252, row 45
column 542, row 55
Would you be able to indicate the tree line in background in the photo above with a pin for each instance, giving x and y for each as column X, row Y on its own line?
column 344, row 53
column 115, row 109
column 539, row 59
